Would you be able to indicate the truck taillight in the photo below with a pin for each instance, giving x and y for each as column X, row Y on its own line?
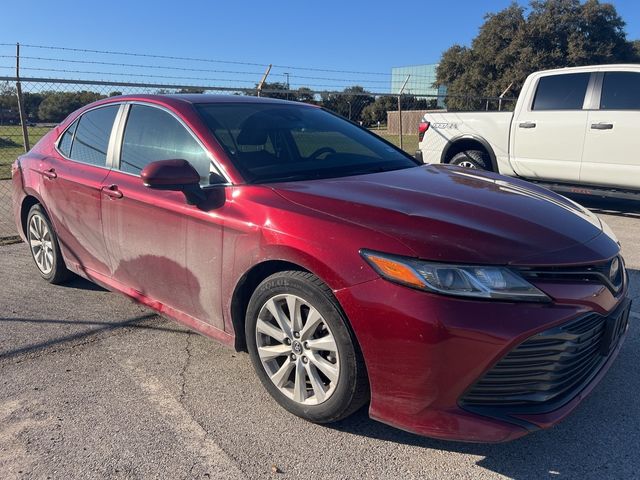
column 422, row 128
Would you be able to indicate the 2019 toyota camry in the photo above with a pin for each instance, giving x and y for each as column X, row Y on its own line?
column 460, row 304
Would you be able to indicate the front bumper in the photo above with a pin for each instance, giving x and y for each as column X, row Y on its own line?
column 424, row 352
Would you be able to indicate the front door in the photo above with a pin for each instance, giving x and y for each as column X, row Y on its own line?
column 548, row 135
column 150, row 234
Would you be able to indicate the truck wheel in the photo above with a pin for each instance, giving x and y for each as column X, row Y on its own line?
column 472, row 159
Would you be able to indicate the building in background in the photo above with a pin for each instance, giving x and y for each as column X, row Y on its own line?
column 422, row 79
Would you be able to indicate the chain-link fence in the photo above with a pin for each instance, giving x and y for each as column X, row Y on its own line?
column 47, row 101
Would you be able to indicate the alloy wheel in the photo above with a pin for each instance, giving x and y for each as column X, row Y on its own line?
column 297, row 349
column 41, row 243
column 467, row 164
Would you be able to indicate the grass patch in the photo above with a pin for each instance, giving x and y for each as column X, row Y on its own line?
column 409, row 142
column 11, row 145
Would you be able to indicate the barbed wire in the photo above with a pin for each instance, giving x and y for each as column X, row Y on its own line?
column 208, row 60
column 185, row 69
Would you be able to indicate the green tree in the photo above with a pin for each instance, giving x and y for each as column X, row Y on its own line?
column 349, row 103
column 515, row 42
column 275, row 90
column 636, row 50
column 377, row 111
column 8, row 98
column 57, row 105
column 32, row 103
column 190, row 90
column 306, row 95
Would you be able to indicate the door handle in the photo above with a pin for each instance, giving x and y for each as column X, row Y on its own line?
column 51, row 173
column 527, row 125
column 112, row 191
column 602, row 126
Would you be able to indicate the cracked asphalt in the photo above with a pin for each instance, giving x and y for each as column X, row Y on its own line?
column 95, row 386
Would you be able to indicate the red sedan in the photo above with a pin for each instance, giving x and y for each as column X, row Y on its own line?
column 459, row 305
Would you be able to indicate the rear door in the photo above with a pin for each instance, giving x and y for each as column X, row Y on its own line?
column 71, row 187
column 612, row 144
column 548, row 134
column 159, row 245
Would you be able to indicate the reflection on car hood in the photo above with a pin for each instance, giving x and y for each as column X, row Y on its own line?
column 450, row 214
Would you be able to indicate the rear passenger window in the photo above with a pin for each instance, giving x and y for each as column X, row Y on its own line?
column 92, row 136
column 65, row 142
column 152, row 134
column 561, row 92
column 620, row 91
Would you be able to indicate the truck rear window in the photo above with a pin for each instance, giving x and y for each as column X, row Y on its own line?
column 620, row 91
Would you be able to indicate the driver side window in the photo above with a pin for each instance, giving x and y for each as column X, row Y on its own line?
column 152, row 134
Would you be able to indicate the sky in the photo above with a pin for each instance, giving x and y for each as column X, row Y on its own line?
column 354, row 36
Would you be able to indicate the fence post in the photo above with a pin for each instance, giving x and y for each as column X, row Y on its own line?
column 400, row 108
column 502, row 96
column 264, row 79
column 23, row 116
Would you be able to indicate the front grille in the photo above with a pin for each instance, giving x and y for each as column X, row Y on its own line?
column 549, row 368
column 601, row 273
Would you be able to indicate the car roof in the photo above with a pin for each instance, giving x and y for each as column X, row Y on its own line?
column 197, row 98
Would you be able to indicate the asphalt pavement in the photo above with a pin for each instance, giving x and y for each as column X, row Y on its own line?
column 95, row 386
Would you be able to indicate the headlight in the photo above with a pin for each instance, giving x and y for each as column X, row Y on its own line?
column 499, row 283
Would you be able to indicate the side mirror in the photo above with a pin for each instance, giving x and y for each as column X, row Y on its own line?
column 175, row 175
column 418, row 156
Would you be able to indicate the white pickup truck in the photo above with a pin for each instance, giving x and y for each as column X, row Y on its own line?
column 577, row 129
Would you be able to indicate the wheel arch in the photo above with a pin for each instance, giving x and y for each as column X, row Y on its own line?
column 468, row 142
column 245, row 287
column 27, row 202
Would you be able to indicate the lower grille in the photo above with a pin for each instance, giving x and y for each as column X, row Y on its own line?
column 550, row 367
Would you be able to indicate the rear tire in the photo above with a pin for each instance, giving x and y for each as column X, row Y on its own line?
column 311, row 366
column 472, row 159
column 44, row 247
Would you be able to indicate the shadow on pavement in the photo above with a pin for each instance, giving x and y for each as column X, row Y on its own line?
column 86, row 335
column 80, row 283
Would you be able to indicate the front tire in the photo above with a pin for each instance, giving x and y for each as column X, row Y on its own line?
column 472, row 159
column 44, row 247
column 308, row 361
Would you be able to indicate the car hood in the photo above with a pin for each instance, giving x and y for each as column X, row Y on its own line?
column 450, row 214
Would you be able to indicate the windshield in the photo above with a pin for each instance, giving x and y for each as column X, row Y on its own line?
column 280, row 142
